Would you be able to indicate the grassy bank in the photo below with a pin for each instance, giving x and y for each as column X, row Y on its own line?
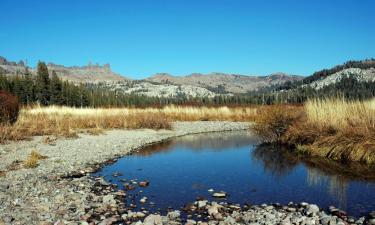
column 67, row 121
column 333, row 128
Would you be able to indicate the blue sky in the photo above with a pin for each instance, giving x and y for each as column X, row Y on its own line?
column 142, row 37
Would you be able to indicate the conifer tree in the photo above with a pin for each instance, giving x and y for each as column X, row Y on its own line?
column 56, row 90
column 42, row 86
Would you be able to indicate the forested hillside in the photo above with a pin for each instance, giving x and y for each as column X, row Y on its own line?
column 46, row 88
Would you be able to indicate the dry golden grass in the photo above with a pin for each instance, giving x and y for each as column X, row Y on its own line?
column 32, row 160
column 341, row 114
column 67, row 121
column 333, row 128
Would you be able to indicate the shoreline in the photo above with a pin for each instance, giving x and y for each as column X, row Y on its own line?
column 61, row 189
column 27, row 196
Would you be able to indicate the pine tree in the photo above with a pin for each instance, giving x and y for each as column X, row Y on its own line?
column 42, row 86
column 56, row 90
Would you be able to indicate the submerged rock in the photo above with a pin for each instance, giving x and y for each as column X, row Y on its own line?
column 143, row 183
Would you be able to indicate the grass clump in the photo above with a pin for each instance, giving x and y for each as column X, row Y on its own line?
column 32, row 160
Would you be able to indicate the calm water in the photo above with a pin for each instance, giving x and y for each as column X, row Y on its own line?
column 181, row 170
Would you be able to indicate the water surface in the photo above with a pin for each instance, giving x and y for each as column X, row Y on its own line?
column 185, row 168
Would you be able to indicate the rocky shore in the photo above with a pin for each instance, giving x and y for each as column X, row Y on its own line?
column 60, row 190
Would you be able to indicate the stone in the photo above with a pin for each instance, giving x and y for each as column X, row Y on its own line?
column 312, row 209
column 109, row 199
column 372, row 221
column 143, row 200
column 218, row 216
column 202, row 204
column 372, row 214
column 190, row 222
column 153, row 220
column 212, row 210
column 140, row 214
column 174, row 215
column 144, row 183
column 219, row 194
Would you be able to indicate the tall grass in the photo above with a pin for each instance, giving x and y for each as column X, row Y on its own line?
column 67, row 121
column 341, row 114
column 334, row 128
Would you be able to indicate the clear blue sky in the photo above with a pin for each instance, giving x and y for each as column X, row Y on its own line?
column 142, row 37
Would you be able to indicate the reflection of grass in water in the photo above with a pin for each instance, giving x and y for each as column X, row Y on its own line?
column 279, row 161
column 337, row 186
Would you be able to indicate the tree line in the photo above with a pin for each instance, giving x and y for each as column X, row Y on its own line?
column 47, row 89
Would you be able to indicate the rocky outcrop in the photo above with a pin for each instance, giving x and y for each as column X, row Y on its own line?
column 361, row 75
column 232, row 83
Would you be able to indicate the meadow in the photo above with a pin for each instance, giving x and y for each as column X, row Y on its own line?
column 332, row 128
column 68, row 122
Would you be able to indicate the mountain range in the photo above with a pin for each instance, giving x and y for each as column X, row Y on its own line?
column 196, row 84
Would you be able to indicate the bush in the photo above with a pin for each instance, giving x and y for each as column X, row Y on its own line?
column 273, row 122
column 9, row 107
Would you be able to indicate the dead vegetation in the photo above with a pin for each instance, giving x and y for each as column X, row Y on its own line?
column 33, row 159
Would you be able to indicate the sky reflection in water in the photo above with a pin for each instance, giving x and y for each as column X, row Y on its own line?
column 182, row 169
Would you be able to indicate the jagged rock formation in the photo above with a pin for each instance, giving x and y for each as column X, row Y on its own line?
column 76, row 74
column 86, row 74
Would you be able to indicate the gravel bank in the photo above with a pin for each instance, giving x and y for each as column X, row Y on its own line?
column 41, row 194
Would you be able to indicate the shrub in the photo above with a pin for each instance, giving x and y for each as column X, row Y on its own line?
column 273, row 122
column 9, row 107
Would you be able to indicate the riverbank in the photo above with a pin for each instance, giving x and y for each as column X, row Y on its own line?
column 60, row 189
column 39, row 194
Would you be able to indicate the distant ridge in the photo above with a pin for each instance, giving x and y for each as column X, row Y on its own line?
column 233, row 83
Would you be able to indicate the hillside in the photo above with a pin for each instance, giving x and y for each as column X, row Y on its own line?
column 221, row 82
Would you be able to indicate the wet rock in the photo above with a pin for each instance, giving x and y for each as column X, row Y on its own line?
column 143, row 200
column 372, row 221
column 144, row 183
column 221, row 194
column 117, row 174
